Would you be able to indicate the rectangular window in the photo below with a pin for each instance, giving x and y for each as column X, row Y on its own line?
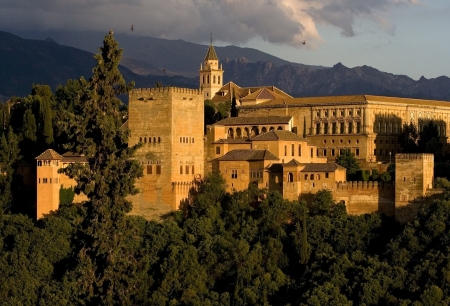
column 299, row 150
column 332, row 152
column 181, row 169
column 234, row 174
column 292, row 149
column 285, row 150
column 357, row 152
column 187, row 169
column 325, row 128
column 312, row 153
column 217, row 150
column 358, row 127
column 375, row 152
column 333, row 127
column 193, row 169
column 324, row 152
column 326, row 175
column 342, row 127
column 350, row 127
column 158, row 169
column 317, row 128
column 44, row 180
column 149, row 169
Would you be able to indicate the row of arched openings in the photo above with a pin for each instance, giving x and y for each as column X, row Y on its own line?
column 249, row 132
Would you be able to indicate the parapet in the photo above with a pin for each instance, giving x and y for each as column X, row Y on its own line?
column 363, row 185
column 163, row 91
column 399, row 157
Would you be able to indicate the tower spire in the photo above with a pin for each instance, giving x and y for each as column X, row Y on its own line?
column 210, row 38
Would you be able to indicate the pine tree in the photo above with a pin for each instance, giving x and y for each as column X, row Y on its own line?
column 106, row 266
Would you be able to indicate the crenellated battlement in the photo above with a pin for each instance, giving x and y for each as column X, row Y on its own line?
column 412, row 156
column 163, row 91
column 363, row 185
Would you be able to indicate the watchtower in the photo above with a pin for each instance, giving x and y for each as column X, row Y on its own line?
column 413, row 177
column 168, row 123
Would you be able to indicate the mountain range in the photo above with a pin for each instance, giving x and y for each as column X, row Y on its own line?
column 68, row 55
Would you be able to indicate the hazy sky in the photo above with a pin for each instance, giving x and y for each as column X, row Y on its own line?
column 399, row 36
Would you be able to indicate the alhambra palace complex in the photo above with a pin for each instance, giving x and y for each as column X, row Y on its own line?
column 276, row 142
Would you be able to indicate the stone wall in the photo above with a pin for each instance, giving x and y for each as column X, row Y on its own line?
column 366, row 197
column 168, row 123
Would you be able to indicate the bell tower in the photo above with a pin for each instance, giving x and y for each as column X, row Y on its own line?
column 211, row 76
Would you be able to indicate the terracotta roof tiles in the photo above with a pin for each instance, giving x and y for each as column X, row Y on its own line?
column 278, row 135
column 247, row 155
column 49, row 154
column 254, row 120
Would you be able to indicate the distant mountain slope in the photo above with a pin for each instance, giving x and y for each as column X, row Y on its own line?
column 178, row 56
column 25, row 62
column 338, row 80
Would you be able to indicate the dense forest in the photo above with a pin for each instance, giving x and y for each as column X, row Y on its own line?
column 245, row 248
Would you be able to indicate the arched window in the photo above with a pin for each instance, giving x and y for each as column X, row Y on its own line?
column 311, row 177
column 159, row 139
column 214, row 79
column 203, row 79
column 290, row 177
column 207, row 78
column 230, row 133
column 255, row 131
column 238, row 133
column 306, row 177
column 218, row 80
column 154, row 139
column 145, row 139
column 140, row 139
column 149, row 139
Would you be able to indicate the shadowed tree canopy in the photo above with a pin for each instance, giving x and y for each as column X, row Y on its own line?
column 347, row 160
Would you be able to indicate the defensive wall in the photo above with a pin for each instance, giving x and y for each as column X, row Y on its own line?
column 366, row 197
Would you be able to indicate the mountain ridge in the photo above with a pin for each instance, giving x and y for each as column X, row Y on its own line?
column 30, row 61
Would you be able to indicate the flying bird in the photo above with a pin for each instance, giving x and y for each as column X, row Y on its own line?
column 304, row 42
column 164, row 70
column 132, row 28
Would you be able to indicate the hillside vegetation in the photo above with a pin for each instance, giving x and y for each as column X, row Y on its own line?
column 245, row 248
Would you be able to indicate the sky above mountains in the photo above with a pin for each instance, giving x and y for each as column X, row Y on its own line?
column 399, row 36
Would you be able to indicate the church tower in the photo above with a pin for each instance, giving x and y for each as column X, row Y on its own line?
column 211, row 76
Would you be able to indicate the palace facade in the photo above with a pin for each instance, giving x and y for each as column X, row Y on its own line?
column 276, row 142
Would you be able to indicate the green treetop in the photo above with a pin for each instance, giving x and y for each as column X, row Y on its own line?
column 102, row 275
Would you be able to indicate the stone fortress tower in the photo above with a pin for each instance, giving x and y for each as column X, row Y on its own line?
column 211, row 76
column 413, row 179
column 168, row 123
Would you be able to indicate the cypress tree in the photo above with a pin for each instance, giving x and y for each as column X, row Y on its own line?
column 305, row 250
column 106, row 269
column 9, row 157
column 234, row 111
